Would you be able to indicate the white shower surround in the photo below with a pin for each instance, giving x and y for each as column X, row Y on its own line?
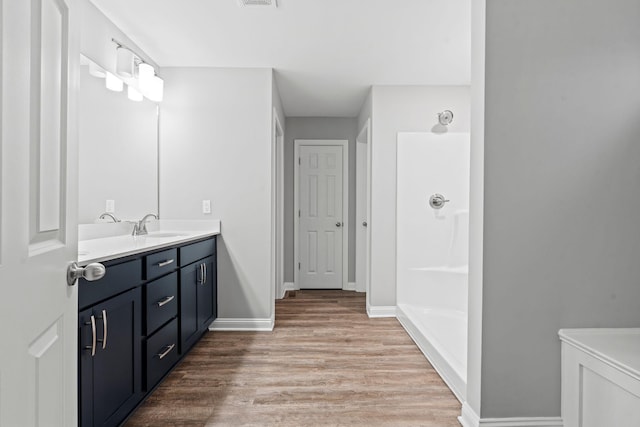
column 432, row 249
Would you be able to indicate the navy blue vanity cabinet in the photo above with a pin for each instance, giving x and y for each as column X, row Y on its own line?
column 137, row 322
column 198, row 292
column 110, row 360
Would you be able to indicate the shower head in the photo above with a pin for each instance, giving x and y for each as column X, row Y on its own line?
column 445, row 118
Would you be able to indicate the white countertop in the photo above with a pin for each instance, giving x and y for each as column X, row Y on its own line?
column 161, row 234
column 619, row 347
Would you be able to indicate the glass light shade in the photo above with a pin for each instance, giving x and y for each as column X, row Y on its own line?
column 96, row 71
column 146, row 73
column 113, row 83
column 133, row 94
column 156, row 89
column 124, row 63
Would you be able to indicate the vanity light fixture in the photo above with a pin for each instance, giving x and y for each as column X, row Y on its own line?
column 146, row 82
column 113, row 83
column 133, row 94
column 124, row 62
column 151, row 85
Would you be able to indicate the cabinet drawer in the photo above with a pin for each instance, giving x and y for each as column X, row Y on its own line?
column 160, row 263
column 162, row 353
column 161, row 300
column 196, row 251
column 118, row 278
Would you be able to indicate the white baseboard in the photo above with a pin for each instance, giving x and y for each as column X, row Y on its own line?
column 283, row 288
column 351, row 286
column 242, row 325
column 469, row 418
column 455, row 383
column 381, row 311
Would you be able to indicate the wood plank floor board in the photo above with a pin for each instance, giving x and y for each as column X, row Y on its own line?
column 325, row 364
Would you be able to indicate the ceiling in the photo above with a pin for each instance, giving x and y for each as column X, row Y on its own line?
column 326, row 53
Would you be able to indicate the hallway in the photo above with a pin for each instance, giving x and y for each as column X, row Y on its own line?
column 325, row 363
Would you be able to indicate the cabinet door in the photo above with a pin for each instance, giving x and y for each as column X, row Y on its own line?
column 189, row 279
column 115, row 388
column 207, row 295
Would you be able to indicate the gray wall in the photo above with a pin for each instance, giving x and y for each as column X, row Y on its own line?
column 317, row 128
column 215, row 144
column 562, row 189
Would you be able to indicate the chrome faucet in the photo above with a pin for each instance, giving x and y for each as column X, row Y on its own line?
column 140, row 227
column 110, row 215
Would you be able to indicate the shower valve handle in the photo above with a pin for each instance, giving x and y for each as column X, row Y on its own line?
column 437, row 201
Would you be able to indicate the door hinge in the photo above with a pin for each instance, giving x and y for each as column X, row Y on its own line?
column 298, row 266
column 299, row 214
column 299, row 160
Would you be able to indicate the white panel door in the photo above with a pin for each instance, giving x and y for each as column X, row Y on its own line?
column 38, row 211
column 321, row 223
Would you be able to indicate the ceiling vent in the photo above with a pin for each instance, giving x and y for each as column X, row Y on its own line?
column 262, row 3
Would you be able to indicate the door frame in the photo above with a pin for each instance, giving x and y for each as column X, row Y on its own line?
column 345, row 203
column 277, row 210
column 364, row 137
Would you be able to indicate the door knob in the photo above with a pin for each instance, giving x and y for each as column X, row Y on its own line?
column 437, row 201
column 92, row 272
column 364, row 223
column 338, row 224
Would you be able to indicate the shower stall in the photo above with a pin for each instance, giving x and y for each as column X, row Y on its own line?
column 432, row 248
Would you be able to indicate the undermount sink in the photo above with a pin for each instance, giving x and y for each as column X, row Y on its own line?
column 163, row 235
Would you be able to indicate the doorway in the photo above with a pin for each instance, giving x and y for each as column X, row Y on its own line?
column 321, row 212
column 277, row 209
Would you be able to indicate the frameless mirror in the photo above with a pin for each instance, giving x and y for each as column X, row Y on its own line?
column 118, row 156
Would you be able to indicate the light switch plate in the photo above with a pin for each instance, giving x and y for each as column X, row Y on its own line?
column 206, row 206
column 110, row 206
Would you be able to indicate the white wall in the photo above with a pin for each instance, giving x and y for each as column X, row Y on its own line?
column 561, row 191
column 215, row 141
column 317, row 128
column 400, row 109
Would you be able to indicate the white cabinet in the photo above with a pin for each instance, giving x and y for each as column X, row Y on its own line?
column 600, row 377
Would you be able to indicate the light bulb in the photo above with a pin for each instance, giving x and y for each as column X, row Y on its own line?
column 133, row 93
column 113, row 83
column 156, row 89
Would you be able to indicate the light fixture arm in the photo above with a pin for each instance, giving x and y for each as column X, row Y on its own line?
column 137, row 58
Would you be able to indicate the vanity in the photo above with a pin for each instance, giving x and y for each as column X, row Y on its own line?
column 600, row 377
column 156, row 300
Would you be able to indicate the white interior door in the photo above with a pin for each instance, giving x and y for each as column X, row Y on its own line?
column 321, row 228
column 38, row 210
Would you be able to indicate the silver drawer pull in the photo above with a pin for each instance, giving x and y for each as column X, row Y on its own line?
column 104, row 329
column 92, row 347
column 165, row 301
column 164, row 263
column 167, row 351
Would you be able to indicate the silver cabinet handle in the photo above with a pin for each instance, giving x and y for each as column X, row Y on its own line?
column 165, row 300
column 165, row 263
column 93, row 271
column 92, row 347
column 167, row 351
column 204, row 268
column 104, row 329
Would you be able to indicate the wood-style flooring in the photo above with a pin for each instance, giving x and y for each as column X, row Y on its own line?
column 325, row 364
